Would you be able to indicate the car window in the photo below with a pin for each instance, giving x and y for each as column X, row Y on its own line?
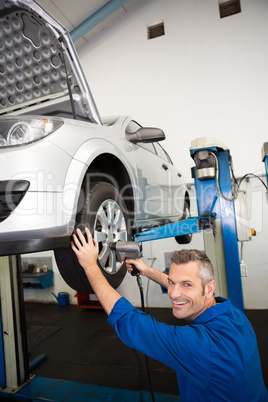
column 162, row 153
column 132, row 127
column 147, row 145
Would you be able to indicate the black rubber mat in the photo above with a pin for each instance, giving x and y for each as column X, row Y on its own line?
column 37, row 334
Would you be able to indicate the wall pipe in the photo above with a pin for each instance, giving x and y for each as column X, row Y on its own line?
column 96, row 18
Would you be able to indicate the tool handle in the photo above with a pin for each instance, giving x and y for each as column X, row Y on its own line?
column 135, row 271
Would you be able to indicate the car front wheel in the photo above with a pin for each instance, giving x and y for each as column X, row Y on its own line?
column 105, row 214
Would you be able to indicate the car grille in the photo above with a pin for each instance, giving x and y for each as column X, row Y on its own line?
column 11, row 194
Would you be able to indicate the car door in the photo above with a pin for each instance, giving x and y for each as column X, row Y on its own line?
column 156, row 177
column 176, row 184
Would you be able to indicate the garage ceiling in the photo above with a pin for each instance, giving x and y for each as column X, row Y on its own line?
column 98, row 13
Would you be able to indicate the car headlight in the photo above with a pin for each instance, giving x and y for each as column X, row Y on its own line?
column 16, row 131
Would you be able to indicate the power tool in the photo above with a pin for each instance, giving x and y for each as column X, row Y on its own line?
column 131, row 249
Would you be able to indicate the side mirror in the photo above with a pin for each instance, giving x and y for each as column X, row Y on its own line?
column 146, row 134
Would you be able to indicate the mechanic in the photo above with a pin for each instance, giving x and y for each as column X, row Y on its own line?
column 215, row 356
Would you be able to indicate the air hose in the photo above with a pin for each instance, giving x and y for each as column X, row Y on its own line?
column 139, row 282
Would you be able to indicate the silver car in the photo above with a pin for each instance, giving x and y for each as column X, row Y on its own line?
column 61, row 165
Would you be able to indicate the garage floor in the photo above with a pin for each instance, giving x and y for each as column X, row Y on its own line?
column 81, row 346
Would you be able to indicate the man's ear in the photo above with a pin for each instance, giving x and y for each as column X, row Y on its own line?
column 209, row 289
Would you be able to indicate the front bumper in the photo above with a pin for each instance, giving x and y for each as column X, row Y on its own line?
column 11, row 194
column 39, row 189
column 40, row 221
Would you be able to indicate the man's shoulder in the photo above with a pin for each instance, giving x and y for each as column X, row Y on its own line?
column 222, row 308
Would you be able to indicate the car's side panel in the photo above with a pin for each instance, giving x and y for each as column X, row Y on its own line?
column 178, row 191
column 155, row 187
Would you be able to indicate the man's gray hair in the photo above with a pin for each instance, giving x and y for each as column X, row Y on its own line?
column 206, row 270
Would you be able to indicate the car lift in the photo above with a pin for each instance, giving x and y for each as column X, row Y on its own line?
column 216, row 218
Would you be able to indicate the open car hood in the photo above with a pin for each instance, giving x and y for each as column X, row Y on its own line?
column 39, row 67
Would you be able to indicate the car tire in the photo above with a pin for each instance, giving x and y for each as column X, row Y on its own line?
column 105, row 214
column 187, row 238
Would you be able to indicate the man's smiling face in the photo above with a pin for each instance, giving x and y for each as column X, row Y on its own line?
column 188, row 295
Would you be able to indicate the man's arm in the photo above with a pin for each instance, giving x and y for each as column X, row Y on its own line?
column 87, row 253
column 149, row 272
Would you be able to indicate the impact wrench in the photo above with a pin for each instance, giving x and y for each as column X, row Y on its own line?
column 132, row 250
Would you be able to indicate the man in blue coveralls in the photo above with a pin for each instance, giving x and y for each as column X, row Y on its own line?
column 215, row 356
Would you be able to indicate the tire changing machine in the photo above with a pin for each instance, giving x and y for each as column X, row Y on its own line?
column 216, row 219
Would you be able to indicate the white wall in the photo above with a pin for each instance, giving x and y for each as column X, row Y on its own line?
column 206, row 77
column 255, row 252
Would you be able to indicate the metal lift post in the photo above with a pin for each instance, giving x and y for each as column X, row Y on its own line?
column 215, row 198
column 216, row 217
column 264, row 154
column 14, row 364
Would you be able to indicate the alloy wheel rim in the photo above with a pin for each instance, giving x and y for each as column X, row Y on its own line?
column 109, row 227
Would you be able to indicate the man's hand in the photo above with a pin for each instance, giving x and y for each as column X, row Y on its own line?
column 139, row 264
column 86, row 250
column 87, row 254
column 149, row 272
